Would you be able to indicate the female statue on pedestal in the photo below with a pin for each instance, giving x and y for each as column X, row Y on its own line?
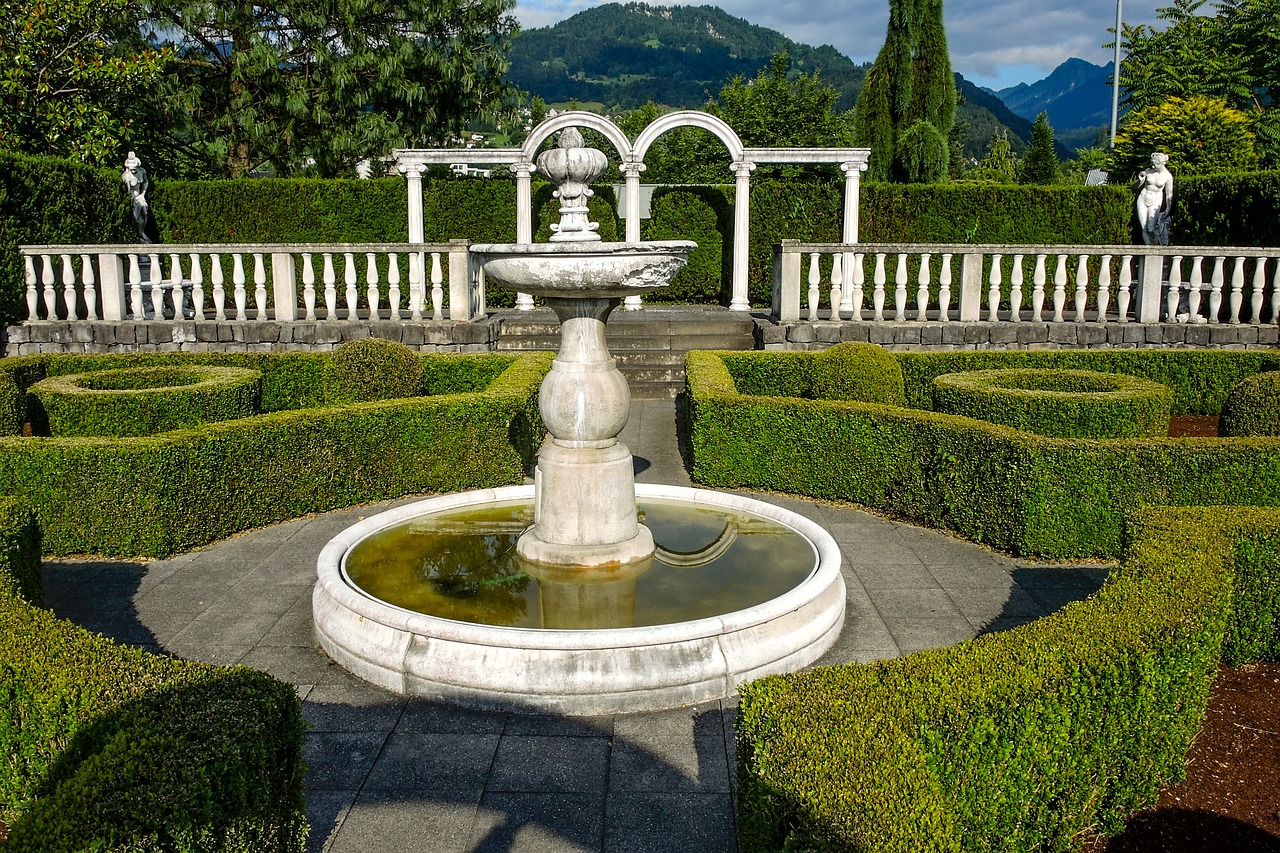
column 1155, row 200
column 135, row 181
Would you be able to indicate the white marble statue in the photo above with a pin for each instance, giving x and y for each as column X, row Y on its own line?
column 1155, row 200
column 135, row 181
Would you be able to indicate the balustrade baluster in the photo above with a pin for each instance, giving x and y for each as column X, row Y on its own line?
column 1082, row 287
column 1172, row 297
column 157, row 287
column 900, row 289
column 393, row 285
column 1193, row 295
column 994, row 280
column 944, row 289
column 50, row 296
column 349, row 278
column 922, row 288
column 309, row 287
column 1275, row 294
column 837, row 286
column 1215, row 288
column 175, row 285
column 1060, row 289
column 237, row 280
column 219, row 292
column 877, row 295
column 259, row 287
column 846, row 283
column 330, row 288
column 814, row 277
column 1126, row 288
column 371, row 279
column 197, row 288
column 33, row 295
column 1237, row 291
column 1259, row 284
column 69, row 288
column 90, row 287
column 1015, row 290
column 1104, row 288
column 859, row 279
column 1037, row 290
column 415, row 286
column 437, row 288
column 135, row 287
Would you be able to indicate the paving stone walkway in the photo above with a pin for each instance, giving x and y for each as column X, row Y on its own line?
column 395, row 775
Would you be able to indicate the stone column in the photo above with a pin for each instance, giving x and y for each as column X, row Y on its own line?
column 524, row 218
column 631, row 171
column 413, row 175
column 852, row 187
column 741, row 234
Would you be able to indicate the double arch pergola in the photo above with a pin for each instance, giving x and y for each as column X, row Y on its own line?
column 852, row 162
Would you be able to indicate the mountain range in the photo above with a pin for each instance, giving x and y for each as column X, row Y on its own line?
column 617, row 57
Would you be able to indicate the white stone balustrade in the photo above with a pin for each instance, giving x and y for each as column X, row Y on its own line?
column 154, row 282
column 1094, row 284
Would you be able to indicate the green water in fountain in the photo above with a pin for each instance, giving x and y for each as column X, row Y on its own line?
column 462, row 565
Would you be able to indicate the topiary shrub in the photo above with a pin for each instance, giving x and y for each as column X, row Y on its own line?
column 142, row 400
column 1058, row 403
column 857, row 371
column 370, row 369
column 1253, row 406
column 12, row 411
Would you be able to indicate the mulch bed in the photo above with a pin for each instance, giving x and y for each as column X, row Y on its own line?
column 1193, row 426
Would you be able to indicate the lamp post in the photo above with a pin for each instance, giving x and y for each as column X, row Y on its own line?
column 1115, row 77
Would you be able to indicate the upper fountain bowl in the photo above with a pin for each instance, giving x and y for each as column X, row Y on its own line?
column 583, row 270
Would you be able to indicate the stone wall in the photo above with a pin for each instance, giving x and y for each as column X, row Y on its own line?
column 1024, row 335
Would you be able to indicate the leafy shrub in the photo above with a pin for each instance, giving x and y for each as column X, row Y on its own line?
column 1253, row 407
column 1201, row 136
column 142, row 400
column 703, row 215
column 161, row 494
column 922, row 154
column 12, row 410
column 1019, row 740
column 857, row 371
column 1058, row 403
column 369, row 369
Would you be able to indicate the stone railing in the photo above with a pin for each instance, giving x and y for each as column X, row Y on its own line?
column 253, row 282
column 896, row 283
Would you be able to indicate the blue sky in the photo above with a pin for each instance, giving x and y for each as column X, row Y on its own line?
column 992, row 44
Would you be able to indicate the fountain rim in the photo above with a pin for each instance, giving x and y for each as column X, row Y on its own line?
column 586, row 248
column 331, row 575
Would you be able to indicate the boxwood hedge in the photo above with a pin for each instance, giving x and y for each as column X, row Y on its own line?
column 160, row 494
column 1057, row 498
column 110, row 748
column 1253, row 406
column 1022, row 740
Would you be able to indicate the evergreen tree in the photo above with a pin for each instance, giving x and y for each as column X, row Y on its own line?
column 910, row 82
column 1040, row 160
column 999, row 165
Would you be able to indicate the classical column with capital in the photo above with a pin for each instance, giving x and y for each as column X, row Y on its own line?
column 524, row 218
column 741, row 233
column 413, row 174
column 631, row 170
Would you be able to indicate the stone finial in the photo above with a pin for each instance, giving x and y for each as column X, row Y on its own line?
column 572, row 167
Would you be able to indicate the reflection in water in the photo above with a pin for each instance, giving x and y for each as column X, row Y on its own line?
column 462, row 565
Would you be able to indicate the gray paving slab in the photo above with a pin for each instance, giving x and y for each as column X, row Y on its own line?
column 392, row 774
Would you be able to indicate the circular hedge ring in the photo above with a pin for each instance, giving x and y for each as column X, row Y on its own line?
column 143, row 400
column 1058, row 403
column 1253, row 406
column 858, row 371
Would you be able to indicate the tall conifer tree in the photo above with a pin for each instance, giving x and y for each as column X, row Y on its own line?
column 911, row 81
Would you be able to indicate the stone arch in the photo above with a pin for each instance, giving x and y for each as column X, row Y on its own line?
column 577, row 118
column 689, row 118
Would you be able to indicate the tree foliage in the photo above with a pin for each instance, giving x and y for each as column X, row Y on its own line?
column 1232, row 56
column 1201, row 136
column 325, row 83
column 70, row 83
column 1040, row 161
column 999, row 165
column 910, row 82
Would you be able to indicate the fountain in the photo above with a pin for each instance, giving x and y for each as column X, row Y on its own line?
column 555, row 596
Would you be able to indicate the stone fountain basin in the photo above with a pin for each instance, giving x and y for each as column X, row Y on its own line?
column 586, row 269
column 603, row 671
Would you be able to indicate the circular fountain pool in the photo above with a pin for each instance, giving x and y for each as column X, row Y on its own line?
column 430, row 599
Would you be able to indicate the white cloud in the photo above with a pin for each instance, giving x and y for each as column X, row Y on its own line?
column 993, row 44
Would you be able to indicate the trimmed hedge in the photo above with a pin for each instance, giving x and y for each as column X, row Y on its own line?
column 1022, row 740
column 110, row 748
column 159, row 495
column 368, row 369
column 1253, row 406
column 1056, row 498
column 142, row 400
column 1058, row 403
column 855, row 371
